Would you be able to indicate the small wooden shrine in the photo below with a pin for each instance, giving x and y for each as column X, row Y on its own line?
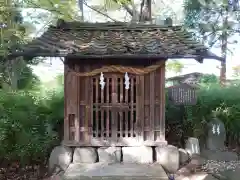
column 114, row 78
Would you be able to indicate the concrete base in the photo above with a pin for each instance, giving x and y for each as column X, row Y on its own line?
column 114, row 171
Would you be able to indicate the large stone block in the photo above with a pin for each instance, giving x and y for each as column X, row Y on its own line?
column 142, row 154
column 109, row 154
column 168, row 157
column 85, row 155
column 60, row 157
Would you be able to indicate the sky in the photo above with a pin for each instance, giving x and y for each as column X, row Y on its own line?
column 51, row 67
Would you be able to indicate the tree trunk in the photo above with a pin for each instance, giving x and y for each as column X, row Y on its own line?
column 135, row 16
column 145, row 13
column 148, row 10
column 80, row 5
column 14, row 66
column 224, row 52
column 223, row 67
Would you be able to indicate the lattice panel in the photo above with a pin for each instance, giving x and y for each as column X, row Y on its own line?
column 114, row 107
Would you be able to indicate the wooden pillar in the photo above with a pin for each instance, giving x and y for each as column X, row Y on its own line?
column 162, row 103
column 146, row 125
column 87, row 88
column 113, row 112
column 140, row 107
column 152, row 105
column 66, row 122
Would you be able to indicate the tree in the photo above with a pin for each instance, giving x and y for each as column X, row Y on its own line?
column 215, row 21
column 209, row 79
column 174, row 66
column 69, row 10
column 236, row 71
column 27, row 79
column 13, row 35
column 144, row 14
column 66, row 10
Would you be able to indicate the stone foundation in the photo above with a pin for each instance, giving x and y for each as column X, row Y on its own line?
column 142, row 155
column 169, row 157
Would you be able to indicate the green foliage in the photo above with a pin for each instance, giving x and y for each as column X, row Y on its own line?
column 207, row 79
column 224, row 101
column 236, row 71
column 175, row 66
column 12, row 30
column 28, row 80
column 66, row 10
column 25, row 118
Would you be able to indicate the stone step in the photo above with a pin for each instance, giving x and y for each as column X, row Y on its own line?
column 115, row 178
column 115, row 171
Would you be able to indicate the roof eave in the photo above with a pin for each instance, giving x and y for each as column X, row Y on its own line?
column 198, row 58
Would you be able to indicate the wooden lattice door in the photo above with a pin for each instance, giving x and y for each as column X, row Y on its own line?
column 114, row 109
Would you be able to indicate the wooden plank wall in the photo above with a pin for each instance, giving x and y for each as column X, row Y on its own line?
column 71, row 117
column 77, row 108
column 154, row 106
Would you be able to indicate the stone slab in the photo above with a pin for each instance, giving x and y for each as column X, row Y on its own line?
column 85, row 155
column 109, row 154
column 115, row 171
column 216, row 135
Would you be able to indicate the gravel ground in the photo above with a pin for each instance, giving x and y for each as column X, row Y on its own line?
column 219, row 166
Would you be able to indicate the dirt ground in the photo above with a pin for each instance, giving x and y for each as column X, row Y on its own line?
column 16, row 172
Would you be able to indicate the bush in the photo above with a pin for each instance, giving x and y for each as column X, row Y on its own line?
column 25, row 118
column 223, row 101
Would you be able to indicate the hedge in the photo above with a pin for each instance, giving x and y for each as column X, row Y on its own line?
column 27, row 119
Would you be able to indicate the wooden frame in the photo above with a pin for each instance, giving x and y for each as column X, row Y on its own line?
column 114, row 116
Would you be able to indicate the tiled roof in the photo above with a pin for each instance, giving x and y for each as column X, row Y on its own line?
column 115, row 40
column 185, row 76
